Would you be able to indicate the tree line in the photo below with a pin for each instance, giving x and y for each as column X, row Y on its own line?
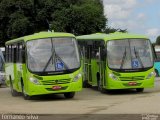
column 24, row 17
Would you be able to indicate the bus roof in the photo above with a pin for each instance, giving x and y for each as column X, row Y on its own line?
column 111, row 36
column 40, row 35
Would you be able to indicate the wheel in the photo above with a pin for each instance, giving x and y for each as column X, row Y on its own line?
column 14, row 93
column 156, row 71
column 25, row 96
column 139, row 89
column 69, row 95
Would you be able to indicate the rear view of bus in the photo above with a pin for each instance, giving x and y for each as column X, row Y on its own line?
column 124, row 61
column 50, row 65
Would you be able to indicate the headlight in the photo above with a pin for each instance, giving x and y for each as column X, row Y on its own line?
column 77, row 77
column 111, row 75
column 34, row 80
column 150, row 75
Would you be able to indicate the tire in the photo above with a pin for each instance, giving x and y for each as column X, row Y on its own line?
column 69, row 95
column 14, row 93
column 140, row 89
column 156, row 71
column 25, row 96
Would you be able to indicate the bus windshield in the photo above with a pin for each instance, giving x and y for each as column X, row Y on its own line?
column 52, row 55
column 129, row 54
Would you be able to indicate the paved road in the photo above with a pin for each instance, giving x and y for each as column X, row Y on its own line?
column 88, row 101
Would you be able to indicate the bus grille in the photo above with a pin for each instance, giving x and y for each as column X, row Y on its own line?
column 135, row 78
column 55, row 82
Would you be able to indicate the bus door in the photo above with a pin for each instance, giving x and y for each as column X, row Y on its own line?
column 88, row 61
column 102, row 63
column 13, row 72
column 95, row 62
column 19, row 70
column 84, row 62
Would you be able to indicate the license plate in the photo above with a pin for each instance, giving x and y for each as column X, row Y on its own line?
column 56, row 87
column 132, row 83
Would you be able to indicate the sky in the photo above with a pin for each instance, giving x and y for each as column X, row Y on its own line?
column 137, row 16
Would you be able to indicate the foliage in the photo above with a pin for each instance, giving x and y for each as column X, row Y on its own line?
column 83, row 17
column 112, row 30
column 24, row 17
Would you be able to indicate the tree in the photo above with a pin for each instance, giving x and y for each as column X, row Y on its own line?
column 81, row 17
column 112, row 30
column 14, row 19
column 24, row 17
column 19, row 25
column 158, row 40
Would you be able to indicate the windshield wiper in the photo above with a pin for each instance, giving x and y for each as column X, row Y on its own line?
column 53, row 53
column 124, row 56
column 55, row 56
column 137, row 56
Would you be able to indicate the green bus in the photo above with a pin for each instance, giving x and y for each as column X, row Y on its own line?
column 117, row 61
column 43, row 63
